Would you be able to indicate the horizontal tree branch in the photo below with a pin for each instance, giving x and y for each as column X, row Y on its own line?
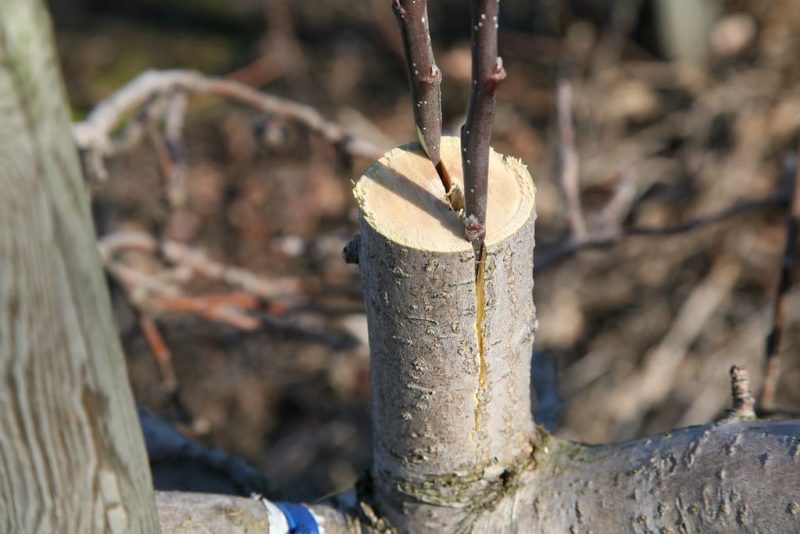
column 726, row 477
column 548, row 255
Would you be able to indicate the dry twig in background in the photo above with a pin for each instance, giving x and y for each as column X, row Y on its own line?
column 196, row 260
column 651, row 385
column 161, row 353
column 549, row 255
column 773, row 341
column 176, row 175
column 94, row 135
column 163, row 356
column 568, row 161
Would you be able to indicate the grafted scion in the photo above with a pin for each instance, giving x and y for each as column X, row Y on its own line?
column 476, row 134
column 425, row 80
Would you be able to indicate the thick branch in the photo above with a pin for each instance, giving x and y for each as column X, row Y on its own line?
column 445, row 400
column 476, row 134
column 729, row 477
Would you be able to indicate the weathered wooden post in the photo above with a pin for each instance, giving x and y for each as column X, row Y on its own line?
column 72, row 458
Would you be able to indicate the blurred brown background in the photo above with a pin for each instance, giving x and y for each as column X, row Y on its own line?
column 673, row 121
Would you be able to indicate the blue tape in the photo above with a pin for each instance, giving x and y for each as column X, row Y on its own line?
column 299, row 518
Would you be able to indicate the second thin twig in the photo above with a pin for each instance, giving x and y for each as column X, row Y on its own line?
column 476, row 134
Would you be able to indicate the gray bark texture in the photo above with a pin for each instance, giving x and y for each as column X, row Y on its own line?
column 450, row 368
column 72, row 458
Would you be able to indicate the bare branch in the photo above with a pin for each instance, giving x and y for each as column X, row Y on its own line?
column 548, row 255
column 773, row 341
column 94, row 134
column 424, row 76
column 196, row 260
column 476, row 134
column 569, row 162
column 425, row 80
column 161, row 353
column 176, row 178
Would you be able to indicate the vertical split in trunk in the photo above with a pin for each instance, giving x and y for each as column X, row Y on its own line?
column 451, row 388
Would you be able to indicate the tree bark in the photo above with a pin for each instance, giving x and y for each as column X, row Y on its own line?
column 455, row 445
column 72, row 457
column 450, row 365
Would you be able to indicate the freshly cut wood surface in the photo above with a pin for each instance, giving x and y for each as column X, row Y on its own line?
column 402, row 197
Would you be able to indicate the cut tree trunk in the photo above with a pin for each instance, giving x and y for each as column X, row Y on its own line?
column 450, row 341
column 72, row 458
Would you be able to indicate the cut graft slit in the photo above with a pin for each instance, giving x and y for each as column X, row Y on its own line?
column 453, row 193
column 480, row 314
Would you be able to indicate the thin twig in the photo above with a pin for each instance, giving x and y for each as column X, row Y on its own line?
column 624, row 195
column 424, row 78
column 94, row 134
column 176, row 178
column 198, row 261
column 773, row 341
column 569, row 162
column 549, row 255
column 161, row 353
column 476, row 134
column 138, row 284
column 223, row 308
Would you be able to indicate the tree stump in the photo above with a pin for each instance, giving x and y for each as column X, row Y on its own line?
column 450, row 339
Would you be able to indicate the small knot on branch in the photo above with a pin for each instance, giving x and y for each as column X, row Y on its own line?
column 499, row 73
column 473, row 228
column 743, row 401
column 352, row 250
column 433, row 76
